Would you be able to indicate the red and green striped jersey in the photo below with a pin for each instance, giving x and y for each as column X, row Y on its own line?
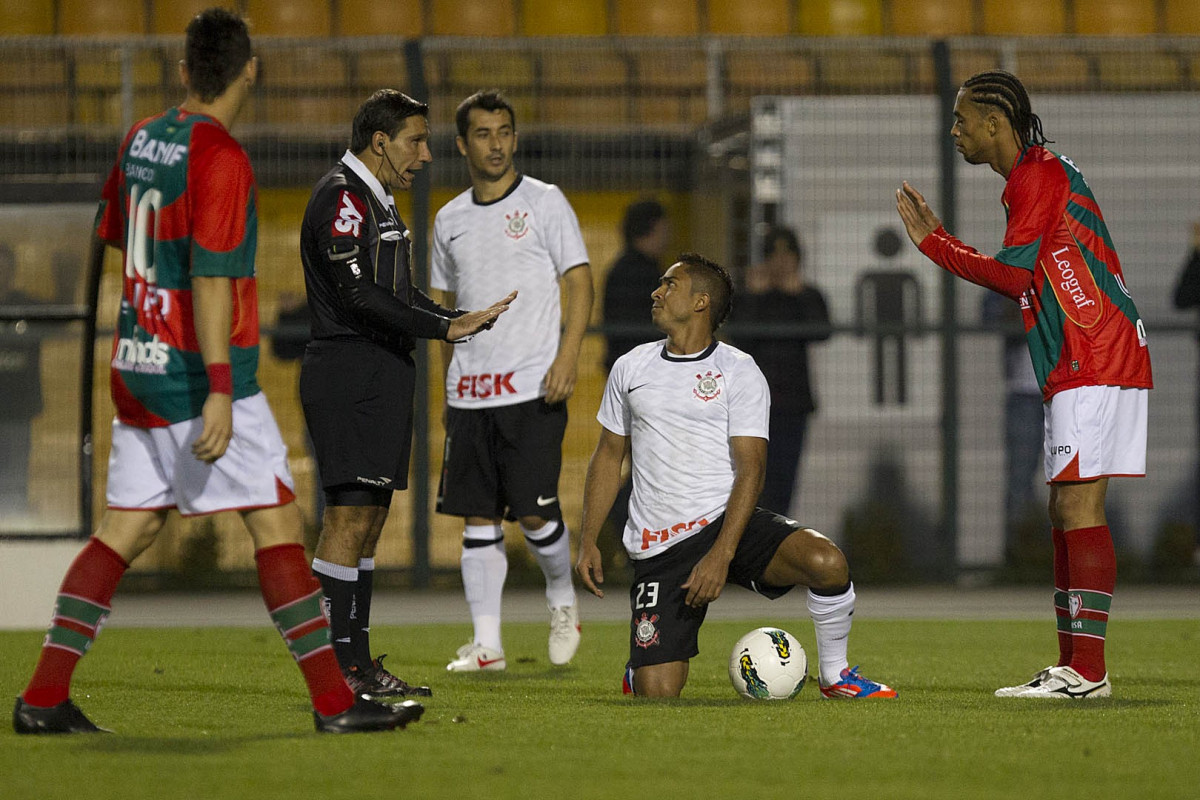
column 1059, row 263
column 180, row 202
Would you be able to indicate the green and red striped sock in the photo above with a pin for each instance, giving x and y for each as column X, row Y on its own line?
column 79, row 612
column 294, row 599
column 1062, row 582
column 1093, row 565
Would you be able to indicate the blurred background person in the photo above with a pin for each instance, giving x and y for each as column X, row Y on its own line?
column 777, row 292
column 1187, row 295
column 646, row 231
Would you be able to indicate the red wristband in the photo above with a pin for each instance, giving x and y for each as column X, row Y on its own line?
column 220, row 379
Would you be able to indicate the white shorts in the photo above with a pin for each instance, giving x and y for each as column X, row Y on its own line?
column 154, row 469
column 1096, row 432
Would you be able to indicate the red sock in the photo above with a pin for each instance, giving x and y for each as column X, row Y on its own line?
column 294, row 599
column 1062, row 582
column 1093, row 565
column 79, row 612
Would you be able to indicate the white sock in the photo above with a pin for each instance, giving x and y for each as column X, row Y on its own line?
column 484, row 569
column 555, row 560
column 831, row 618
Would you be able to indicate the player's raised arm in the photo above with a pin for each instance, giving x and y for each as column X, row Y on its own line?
column 600, row 489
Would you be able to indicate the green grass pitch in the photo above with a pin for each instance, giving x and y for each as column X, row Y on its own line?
column 221, row 713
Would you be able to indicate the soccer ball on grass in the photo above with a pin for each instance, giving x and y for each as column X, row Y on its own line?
column 768, row 664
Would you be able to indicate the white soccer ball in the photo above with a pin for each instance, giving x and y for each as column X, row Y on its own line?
column 768, row 664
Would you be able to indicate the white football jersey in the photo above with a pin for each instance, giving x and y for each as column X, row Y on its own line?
column 680, row 413
column 526, row 241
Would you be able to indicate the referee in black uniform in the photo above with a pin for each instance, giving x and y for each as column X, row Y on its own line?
column 357, row 379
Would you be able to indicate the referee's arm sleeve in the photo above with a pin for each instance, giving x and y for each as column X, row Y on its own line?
column 379, row 309
column 425, row 303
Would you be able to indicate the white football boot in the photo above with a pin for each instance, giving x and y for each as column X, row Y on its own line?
column 1066, row 683
column 474, row 657
column 564, row 634
column 1013, row 691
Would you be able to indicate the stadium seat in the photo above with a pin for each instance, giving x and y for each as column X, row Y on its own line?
column 298, row 112
column 100, row 17
column 21, row 110
column 368, row 18
column 31, row 68
column 301, row 68
column 1117, row 18
column 292, row 18
column 583, row 68
column 171, row 17
column 1182, row 18
column 378, row 69
column 26, row 17
column 671, row 69
column 1139, row 70
column 752, row 72
column 594, row 111
column 556, row 18
column 840, row 18
column 670, row 112
column 1024, row 17
column 99, row 68
column 865, row 71
column 1046, row 71
column 472, row 70
column 739, row 18
column 473, row 17
column 931, row 17
column 658, row 17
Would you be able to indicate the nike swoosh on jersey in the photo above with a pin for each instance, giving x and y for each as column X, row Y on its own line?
column 455, row 236
column 545, row 501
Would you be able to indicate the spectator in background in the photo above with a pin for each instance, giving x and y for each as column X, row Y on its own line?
column 777, row 293
column 1187, row 295
column 20, row 390
column 1023, row 422
column 634, row 276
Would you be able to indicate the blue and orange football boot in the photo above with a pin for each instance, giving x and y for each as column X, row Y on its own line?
column 852, row 686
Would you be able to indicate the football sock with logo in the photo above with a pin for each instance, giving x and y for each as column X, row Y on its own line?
column 551, row 546
column 1062, row 582
column 293, row 598
column 1093, row 565
column 338, row 583
column 831, row 615
column 360, row 632
column 484, row 568
column 79, row 612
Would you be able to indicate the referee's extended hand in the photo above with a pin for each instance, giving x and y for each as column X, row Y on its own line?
column 473, row 322
column 218, row 428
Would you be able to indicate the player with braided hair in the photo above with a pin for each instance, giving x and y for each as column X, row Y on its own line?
column 1088, row 346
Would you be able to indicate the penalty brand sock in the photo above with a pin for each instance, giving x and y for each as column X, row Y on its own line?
column 484, row 568
column 551, row 547
column 360, row 632
column 293, row 598
column 1093, row 577
column 338, row 583
column 1062, row 582
column 831, row 616
column 79, row 612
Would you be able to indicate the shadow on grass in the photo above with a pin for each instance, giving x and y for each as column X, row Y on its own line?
column 198, row 745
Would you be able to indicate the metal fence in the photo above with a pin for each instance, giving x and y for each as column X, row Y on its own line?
column 612, row 120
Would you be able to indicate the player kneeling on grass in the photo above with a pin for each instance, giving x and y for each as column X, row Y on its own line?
column 692, row 414
column 193, row 430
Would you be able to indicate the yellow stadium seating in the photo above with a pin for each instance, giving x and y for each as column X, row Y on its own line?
column 509, row 71
column 1024, row 17
column 100, row 17
column 840, row 18
column 294, row 18
column 370, row 18
column 33, row 109
column 596, row 111
column 671, row 69
column 670, row 112
column 473, row 17
column 1138, row 70
column 1182, row 18
column 171, row 17
column 333, row 110
column 931, row 17
column 658, row 17
column 557, row 18
column 1048, row 71
column 99, row 68
column 864, row 71
column 751, row 72
column 43, row 68
column 1116, row 18
column 741, row 18
column 379, row 69
column 26, row 17
column 301, row 68
column 583, row 68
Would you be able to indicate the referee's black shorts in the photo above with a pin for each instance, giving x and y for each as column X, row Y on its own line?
column 358, row 403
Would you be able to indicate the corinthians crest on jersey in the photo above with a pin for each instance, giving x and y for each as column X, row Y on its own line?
column 707, row 386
